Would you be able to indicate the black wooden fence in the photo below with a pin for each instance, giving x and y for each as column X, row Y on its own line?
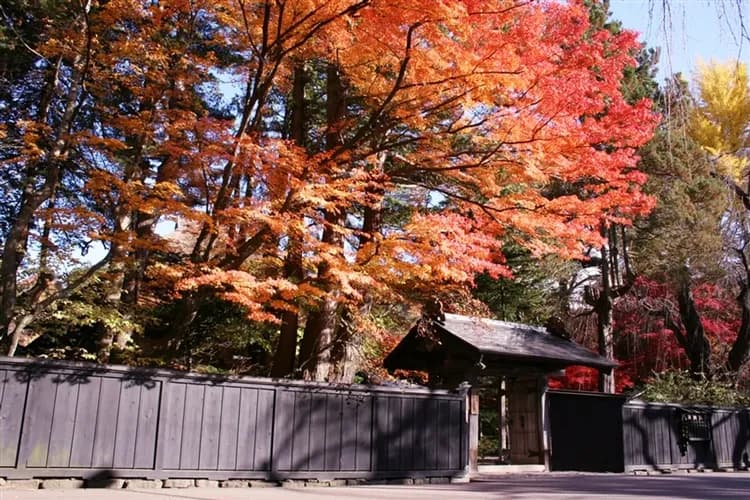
column 685, row 437
column 598, row 432
column 76, row 420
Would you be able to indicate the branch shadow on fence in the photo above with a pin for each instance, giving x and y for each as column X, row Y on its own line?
column 70, row 419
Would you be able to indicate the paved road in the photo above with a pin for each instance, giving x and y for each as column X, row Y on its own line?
column 538, row 487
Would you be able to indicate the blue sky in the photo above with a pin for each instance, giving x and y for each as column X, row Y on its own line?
column 700, row 29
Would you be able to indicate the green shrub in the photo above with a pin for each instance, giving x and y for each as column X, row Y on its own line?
column 680, row 387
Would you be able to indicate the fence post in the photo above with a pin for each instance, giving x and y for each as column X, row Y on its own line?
column 472, row 405
column 159, row 444
column 272, row 451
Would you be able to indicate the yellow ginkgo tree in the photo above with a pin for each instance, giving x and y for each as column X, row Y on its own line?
column 720, row 124
column 720, row 119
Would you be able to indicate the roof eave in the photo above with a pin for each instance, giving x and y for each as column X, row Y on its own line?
column 599, row 365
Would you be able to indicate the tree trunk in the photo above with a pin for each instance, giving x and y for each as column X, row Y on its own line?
column 144, row 225
column 345, row 354
column 604, row 307
column 322, row 324
column 694, row 340
column 15, row 329
column 283, row 360
column 122, row 256
column 14, row 249
column 740, row 352
column 317, row 341
column 310, row 345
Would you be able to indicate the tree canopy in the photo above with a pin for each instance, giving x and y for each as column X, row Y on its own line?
column 320, row 158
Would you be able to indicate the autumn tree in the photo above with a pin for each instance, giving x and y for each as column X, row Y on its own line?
column 693, row 240
column 422, row 147
column 368, row 152
column 43, row 98
column 719, row 125
column 589, row 296
column 117, row 112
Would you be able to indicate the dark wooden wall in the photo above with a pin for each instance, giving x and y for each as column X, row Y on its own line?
column 654, row 437
column 598, row 432
column 63, row 419
column 585, row 431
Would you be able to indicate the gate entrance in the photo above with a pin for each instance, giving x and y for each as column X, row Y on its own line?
column 510, row 360
column 511, row 425
column 524, row 422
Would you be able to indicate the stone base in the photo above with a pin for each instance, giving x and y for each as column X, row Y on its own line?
column 133, row 484
column 234, row 483
column 140, row 483
column 61, row 484
column 206, row 483
column 22, row 484
column 510, row 469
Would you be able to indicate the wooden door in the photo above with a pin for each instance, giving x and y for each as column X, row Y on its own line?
column 524, row 401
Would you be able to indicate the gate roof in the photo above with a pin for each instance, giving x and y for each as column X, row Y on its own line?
column 460, row 342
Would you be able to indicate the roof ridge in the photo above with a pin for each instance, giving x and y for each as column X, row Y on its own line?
column 523, row 326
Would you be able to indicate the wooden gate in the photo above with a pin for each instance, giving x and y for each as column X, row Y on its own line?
column 524, row 401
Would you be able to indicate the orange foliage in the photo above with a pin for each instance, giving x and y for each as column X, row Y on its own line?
column 499, row 121
column 467, row 124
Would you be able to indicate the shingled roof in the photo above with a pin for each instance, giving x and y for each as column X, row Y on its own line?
column 514, row 340
column 491, row 341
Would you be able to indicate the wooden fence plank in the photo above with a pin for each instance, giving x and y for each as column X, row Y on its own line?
column 379, row 428
column 174, row 415
column 63, row 424
column 431, row 454
column 743, row 436
column 409, row 433
column 350, row 429
column 148, row 421
column 664, row 432
column 127, row 425
column 248, row 420
column 720, row 421
column 211, row 429
column 364, row 439
column 318, row 428
column 38, row 425
column 85, row 424
column 444, row 434
column 191, row 426
column 302, row 432
column 11, row 416
column 265, row 430
column 334, row 429
column 106, row 423
column 229, row 428
column 420, row 437
column 284, row 435
column 454, row 429
column 393, row 433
